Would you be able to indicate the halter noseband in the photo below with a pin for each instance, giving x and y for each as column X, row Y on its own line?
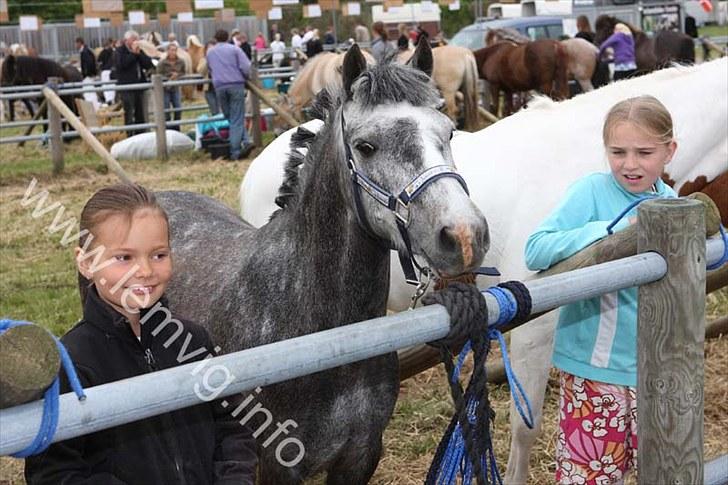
column 395, row 203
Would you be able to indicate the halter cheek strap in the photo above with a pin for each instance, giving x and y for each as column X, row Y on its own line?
column 399, row 205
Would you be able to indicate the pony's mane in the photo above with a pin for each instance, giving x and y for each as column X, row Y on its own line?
column 391, row 83
column 386, row 83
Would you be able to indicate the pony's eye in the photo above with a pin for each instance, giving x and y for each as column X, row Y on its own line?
column 452, row 133
column 365, row 148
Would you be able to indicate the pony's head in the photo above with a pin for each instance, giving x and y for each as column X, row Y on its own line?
column 397, row 145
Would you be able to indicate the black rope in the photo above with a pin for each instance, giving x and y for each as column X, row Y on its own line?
column 468, row 320
column 524, row 303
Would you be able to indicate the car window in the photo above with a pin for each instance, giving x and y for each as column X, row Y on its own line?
column 537, row 32
column 471, row 39
column 555, row 31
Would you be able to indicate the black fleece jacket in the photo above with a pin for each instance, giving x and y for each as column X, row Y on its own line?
column 202, row 444
column 130, row 67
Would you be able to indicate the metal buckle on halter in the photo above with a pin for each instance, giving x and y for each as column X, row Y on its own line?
column 421, row 286
column 403, row 219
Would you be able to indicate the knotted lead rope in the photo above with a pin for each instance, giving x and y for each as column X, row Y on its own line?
column 466, row 446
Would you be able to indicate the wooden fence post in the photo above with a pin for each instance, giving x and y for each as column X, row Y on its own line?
column 55, row 129
column 670, row 336
column 159, row 119
column 255, row 103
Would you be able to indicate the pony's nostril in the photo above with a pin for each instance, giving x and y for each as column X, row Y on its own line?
column 448, row 239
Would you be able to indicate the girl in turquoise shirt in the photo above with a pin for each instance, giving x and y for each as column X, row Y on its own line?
column 595, row 342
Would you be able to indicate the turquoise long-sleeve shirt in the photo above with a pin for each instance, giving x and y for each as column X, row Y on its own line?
column 595, row 339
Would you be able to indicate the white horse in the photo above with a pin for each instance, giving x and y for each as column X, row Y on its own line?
column 517, row 171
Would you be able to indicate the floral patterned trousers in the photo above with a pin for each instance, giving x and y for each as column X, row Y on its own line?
column 597, row 442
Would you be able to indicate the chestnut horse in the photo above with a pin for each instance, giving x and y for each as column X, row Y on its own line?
column 513, row 68
column 582, row 54
column 651, row 54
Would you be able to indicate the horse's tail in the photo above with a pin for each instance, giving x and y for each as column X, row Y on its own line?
column 561, row 72
column 687, row 51
column 470, row 94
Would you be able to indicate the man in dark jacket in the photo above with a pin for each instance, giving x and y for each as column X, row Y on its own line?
column 130, row 62
column 88, row 60
column 171, row 448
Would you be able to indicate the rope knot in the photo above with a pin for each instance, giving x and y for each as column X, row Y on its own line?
column 468, row 313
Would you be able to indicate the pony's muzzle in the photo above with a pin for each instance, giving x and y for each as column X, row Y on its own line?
column 469, row 241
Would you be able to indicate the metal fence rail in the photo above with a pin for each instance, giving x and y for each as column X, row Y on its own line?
column 108, row 405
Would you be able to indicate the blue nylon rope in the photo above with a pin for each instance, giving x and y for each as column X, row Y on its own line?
column 508, row 308
column 49, row 420
column 625, row 211
column 723, row 259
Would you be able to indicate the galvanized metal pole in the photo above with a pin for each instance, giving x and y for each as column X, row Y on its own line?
column 159, row 120
column 671, row 331
column 55, row 128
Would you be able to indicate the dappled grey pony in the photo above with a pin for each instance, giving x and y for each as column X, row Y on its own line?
column 321, row 263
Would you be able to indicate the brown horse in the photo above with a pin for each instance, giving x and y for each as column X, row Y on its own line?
column 581, row 53
column 654, row 53
column 513, row 68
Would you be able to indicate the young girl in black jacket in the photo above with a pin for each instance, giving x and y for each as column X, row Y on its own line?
column 125, row 264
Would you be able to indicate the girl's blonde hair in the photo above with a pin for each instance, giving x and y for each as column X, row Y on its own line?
column 623, row 29
column 645, row 111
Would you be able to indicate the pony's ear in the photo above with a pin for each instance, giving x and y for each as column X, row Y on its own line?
column 422, row 58
column 354, row 64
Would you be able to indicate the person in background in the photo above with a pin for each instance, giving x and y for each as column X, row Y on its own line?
column 329, row 37
column 308, row 34
column 245, row 45
column 381, row 47
column 403, row 41
column 622, row 43
column 361, row 33
column 595, row 345
column 130, row 63
column 88, row 60
column 259, row 43
column 106, row 64
column 279, row 50
column 89, row 70
column 208, row 88
column 171, row 68
column 124, row 333
column 296, row 45
column 314, row 46
column 229, row 69
column 273, row 31
column 584, row 29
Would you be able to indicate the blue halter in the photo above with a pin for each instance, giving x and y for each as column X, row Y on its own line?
column 398, row 204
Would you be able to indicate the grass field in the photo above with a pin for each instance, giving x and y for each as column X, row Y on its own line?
column 38, row 283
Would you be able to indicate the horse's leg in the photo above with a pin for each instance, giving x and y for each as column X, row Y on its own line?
column 531, row 348
column 29, row 106
column 356, row 465
column 451, row 105
column 494, row 97
column 11, row 109
column 585, row 84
